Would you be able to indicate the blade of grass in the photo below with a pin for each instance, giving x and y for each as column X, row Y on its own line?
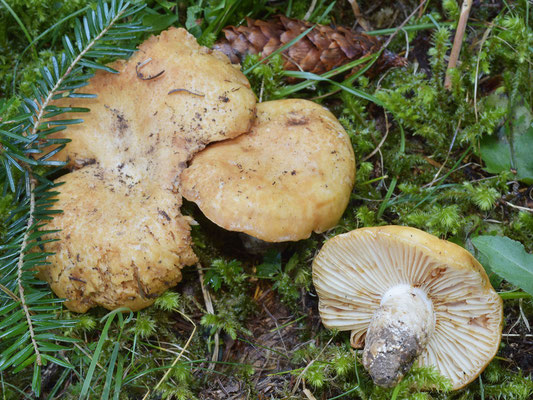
column 329, row 74
column 384, row 205
column 292, row 42
column 514, row 295
column 22, row 26
column 280, row 50
column 118, row 377
column 445, row 176
column 58, row 384
column 287, row 324
column 164, row 378
column 345, row 393
column 263, row 347
column 109, row 376
column 395, row 392
column 354, row 91
column 103, row 337
column 410, row 28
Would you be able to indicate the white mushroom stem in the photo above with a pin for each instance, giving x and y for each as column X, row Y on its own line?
column 398, row 332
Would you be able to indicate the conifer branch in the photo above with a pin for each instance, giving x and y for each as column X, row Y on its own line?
column 28, row 311
column 82, row 54
column 20, row 265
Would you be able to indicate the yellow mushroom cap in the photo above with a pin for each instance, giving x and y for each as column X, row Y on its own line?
column 354, row 270
column 169, row 100
column 292, row 174
column 122, row 239
column 122, row 242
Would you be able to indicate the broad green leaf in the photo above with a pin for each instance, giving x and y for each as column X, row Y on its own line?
column 523, row 147
column 271, row 264
column 193, row 15
column 511, row 147
column 158, row 22
column 507, row 258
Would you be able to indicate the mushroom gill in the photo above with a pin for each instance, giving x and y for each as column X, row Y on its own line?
column 409, row 297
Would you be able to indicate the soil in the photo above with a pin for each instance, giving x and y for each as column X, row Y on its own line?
column 275, row 336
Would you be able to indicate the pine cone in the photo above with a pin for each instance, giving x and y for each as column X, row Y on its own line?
column 321, row 50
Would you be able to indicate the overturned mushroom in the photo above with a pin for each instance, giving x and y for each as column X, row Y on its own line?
column 123, row 240
column 409, row 297
column 292, row 174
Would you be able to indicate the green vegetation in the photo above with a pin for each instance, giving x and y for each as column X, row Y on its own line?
column 455, row 163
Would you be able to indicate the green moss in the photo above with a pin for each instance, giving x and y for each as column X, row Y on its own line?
column 426, row 140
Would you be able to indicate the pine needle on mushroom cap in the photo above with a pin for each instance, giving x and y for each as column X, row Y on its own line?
column 367, row 275
column 122, row 240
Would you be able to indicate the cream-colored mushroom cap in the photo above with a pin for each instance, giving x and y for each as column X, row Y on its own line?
column 292, row 174
column 368, row 275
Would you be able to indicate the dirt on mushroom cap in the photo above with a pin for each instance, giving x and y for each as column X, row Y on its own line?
column 292, row 174
column 168, row 101
column 354, row 270
column 120, row 246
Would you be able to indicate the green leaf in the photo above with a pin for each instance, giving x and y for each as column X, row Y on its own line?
column 511, row 147
column 507, row 258
column 523, row 156
column 158, row 22
column 271, row 265
column 193, row 14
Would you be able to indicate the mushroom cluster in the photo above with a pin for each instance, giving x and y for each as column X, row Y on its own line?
column 408, row 297
column 121, row 239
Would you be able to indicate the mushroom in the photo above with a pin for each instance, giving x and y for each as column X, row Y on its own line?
column 409, row 297
column 292, row 174
column 122, row 239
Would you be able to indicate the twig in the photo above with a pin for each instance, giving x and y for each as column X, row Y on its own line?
column 163, row 379
column 359, row 16
column 186, row 91
column 20, row 265
column 519, row 207
column 211, row 310
column 149, row 77
column 421, row 12
column 299, row 379
column 457, row 41
column 309, row 395
column 89, row 356
column 310, row 10
column 523, row 315
column 398, row 29
column 483, row 39
column 382, row 140
column 447, row 155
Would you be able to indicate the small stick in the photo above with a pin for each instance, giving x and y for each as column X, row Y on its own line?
column 483, row 39
column 141, row 76
column 457, row 41
column 382, row 140
column 187, row 91
column 309, row 395
column 299, row 378
column 359, row 15
column 310, row 10
column 164, row 378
